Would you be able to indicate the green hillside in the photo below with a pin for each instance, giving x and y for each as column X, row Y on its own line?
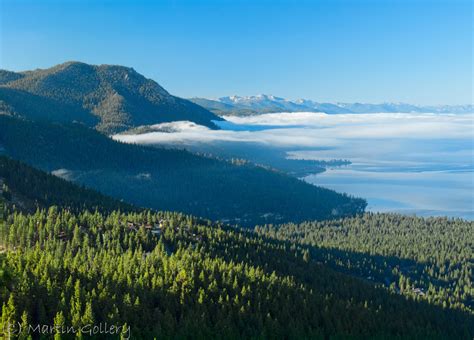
column 24, row 104
column 186, row 278
column 427, row 259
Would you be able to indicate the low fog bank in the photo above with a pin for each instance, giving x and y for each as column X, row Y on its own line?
column 308, row 129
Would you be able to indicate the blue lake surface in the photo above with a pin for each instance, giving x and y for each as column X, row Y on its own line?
column 433, row 177
column 424, row 193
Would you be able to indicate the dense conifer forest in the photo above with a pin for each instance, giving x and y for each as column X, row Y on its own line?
column 427, row 259
column 28, row 189
column 168, row 275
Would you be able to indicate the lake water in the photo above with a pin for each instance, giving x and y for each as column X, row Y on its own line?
column 424, row 192
column 426, row 177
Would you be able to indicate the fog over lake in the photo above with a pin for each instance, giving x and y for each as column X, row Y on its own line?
column 405, row 162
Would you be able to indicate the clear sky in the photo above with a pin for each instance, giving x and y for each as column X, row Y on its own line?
column 414, row 51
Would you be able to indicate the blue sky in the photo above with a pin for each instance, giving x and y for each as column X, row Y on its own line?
column 368, row 51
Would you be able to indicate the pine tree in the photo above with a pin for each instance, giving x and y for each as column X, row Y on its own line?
column 76, row 305
column 125, row 334
column 24, row 335
column 88, row 317
column 8, row 320
column 306, row 256
column 59, row 323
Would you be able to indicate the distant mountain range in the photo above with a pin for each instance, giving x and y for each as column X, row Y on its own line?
column 251, row 105
column 108, row 97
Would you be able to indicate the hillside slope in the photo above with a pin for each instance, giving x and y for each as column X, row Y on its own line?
column 27, row 188
column 170, row 179
column 190, row 279
column 428, row 259
column 118, row 96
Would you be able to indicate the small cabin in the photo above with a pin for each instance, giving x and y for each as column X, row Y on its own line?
column 418, row 291
column 62, row 235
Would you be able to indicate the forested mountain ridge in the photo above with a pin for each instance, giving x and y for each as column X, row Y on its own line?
column 119, row 97
column 25, row 188
column 171, row 180
column 169, row 275
column 8, row 76
column 20, row 103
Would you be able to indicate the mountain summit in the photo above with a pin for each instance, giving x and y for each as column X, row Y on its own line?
column 109, row 97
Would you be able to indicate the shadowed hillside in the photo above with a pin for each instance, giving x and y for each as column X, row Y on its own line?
column 171, row 179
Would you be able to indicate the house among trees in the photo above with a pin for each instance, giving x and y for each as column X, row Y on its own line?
column 418, row 291
column 62, row 236
column 155, row 228
column 131, row 226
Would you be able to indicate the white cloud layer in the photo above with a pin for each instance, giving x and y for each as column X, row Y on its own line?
column 308, row 129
